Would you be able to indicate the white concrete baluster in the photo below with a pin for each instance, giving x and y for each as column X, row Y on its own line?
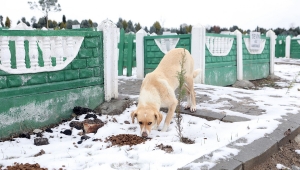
column 70, row 46
column 47, row 52
column 5, row 53
column 20, row 52
column 211, row 46
column 223, row 42
column 207, row 42
column 33, row 52
column 227, row 44
column 59, row 51
column 216, row 45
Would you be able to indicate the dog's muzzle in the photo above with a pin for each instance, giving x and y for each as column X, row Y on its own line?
column 144, row 134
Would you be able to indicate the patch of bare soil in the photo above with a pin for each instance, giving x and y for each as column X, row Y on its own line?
column 266, row 82
column 286, row 156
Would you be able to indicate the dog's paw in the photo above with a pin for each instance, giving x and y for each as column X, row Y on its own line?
column 187, row 107
column 164, row 129
column 193, row 109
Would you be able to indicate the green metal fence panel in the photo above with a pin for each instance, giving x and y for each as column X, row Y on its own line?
column 280, row 46
column 295, row 48
column 127, row 51
column 129, row 62
column 152, row 53
column 36, row 100
column 121, row 52
column 221, row 70
column 256, row 66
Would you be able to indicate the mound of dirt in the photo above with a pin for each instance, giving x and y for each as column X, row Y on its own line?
column 125, row 139
column 26, row 166
column 286, row 156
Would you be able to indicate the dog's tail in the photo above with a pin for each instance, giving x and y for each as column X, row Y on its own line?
column 196, row 72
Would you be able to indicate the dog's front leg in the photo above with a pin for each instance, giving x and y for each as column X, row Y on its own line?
column 171, row 110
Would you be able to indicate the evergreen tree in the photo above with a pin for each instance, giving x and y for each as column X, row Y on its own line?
column 23, row 19
column 85, row 24
column 130, row 27
column 1, row 21
column 124, row 24
column 146, row 29
column 95, row 24
column 64, row 19
column 152, row 29
column 157, row 27
column 33, row 20
column 90, row 22
column 7, row 22
column 119, row 23
column 50, row 24
column 137, row 27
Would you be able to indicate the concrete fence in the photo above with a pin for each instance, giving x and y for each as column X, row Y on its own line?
column 45, row 74
column 224, row 59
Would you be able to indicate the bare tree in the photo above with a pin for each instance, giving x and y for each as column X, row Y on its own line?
column 45, row 6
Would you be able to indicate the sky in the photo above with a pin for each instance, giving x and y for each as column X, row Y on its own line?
column 209, row 136
column 245, row 14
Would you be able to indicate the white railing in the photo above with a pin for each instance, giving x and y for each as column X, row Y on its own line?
column 219, row 46
column 63, row 48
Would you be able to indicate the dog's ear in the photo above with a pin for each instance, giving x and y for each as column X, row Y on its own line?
column 158, row 116
column 133, row 115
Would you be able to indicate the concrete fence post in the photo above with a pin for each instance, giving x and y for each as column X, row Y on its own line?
column 272, row 35
column 239, row 48
column 140, row 53
column 198, row 51
column 288, row 47
column 111, row 37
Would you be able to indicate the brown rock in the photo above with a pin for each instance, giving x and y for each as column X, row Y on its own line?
column 91, row 126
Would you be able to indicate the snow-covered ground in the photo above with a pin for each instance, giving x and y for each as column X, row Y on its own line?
column 64, row 151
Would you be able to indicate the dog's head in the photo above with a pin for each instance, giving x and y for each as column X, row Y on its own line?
column 147, row 119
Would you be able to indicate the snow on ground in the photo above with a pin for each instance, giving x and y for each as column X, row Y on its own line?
column 208, row 135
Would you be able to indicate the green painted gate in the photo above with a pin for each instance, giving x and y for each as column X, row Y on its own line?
column 221, row 70
column 280, row 46
column 152, row 53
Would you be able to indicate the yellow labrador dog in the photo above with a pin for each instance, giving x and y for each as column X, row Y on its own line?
column 158, row 90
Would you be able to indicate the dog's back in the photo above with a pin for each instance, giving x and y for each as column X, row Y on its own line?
column 170, row 65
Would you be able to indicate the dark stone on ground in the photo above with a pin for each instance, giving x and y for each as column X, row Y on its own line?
column 243, row 84
column 90, row 116
column 49, row 130
column 85, row 137
column 114, row 107
column 76, row 124
column 82, row 110
column 39, row 135
column 24, row 135
column 67, row 132
column 41, row 141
